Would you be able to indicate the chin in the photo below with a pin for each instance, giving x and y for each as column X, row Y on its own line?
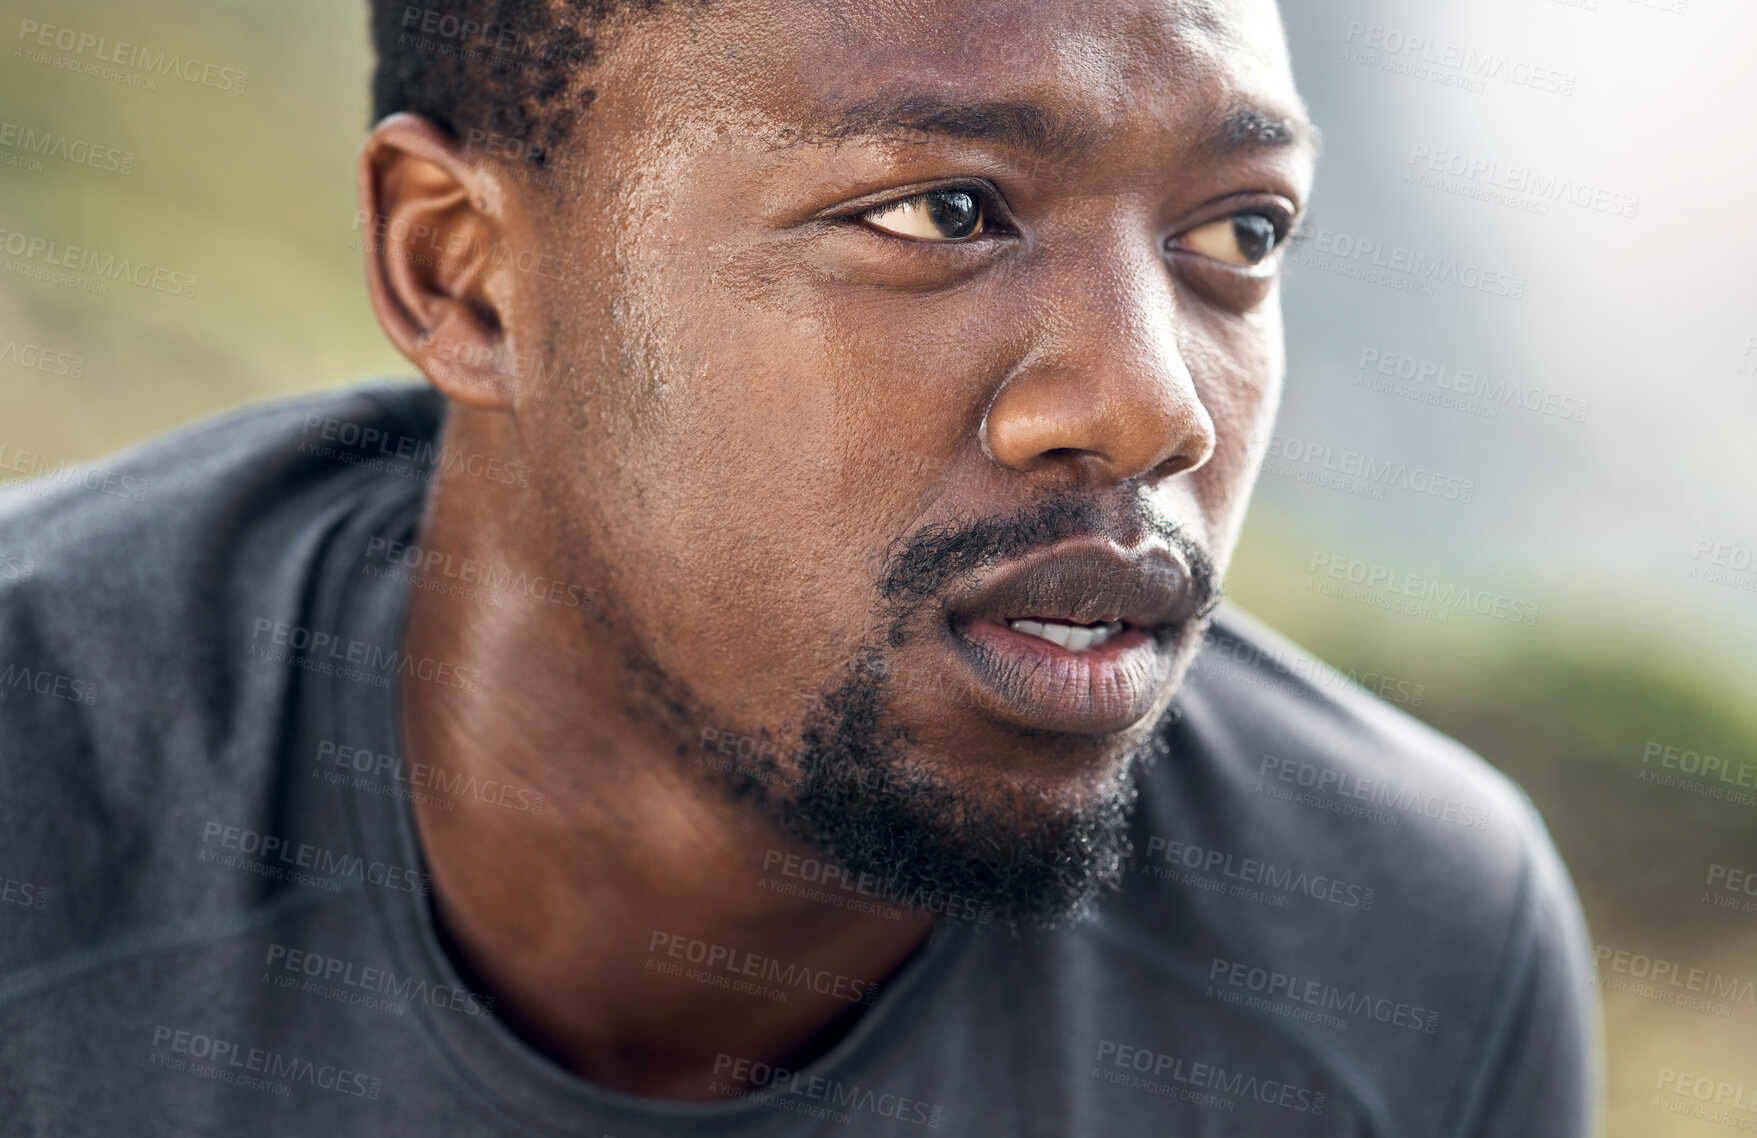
column 977, row 752
column 1027, row 827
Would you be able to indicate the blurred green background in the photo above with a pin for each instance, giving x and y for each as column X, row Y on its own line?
column 252, row 191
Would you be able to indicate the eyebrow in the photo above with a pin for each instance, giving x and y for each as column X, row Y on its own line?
column 1014, row 124
column 1035, row 129
column 1252, row 128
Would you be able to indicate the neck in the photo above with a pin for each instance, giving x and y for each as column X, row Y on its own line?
column 639, row 925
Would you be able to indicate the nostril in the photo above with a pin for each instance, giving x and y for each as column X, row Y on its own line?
column 1177, row 464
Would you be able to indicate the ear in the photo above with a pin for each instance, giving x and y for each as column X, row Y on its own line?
column 430, row 222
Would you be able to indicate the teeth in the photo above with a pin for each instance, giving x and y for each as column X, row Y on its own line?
column 1073, row 637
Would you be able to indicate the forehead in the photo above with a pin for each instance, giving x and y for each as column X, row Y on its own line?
column 1087, row 70
column 1106, row 52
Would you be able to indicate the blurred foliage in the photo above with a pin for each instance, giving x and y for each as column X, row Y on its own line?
column 1568, row 712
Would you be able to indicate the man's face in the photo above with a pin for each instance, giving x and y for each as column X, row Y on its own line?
column 921, row 336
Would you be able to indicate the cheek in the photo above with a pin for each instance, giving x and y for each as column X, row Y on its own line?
column 740, row 498
column 1237, row 363
column 797, row 443
column 910, row 394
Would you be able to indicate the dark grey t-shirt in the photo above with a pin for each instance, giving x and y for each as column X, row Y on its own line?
column 214, row 915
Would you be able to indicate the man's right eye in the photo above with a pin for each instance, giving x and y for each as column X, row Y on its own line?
column 939, row 216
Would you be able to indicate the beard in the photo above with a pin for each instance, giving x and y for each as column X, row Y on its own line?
column 969, row 854
column 859, row 791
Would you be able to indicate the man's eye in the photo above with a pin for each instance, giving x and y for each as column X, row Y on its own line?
column 1242, row 239
column 938, row 215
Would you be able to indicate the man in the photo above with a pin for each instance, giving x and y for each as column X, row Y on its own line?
column 765, row 685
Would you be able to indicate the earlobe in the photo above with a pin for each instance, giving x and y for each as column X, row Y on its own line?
column 430, row 222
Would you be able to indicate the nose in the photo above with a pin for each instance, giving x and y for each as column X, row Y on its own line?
column 1104, row 391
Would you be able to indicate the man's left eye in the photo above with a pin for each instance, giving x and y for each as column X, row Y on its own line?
column 938, row 215
column 1241, row 239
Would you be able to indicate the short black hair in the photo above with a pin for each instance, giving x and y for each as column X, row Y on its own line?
column 500, row 67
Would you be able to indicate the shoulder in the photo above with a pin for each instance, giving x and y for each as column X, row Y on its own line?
column 1286, row 751
column 1323, row 859
column 129, row 592
column 1293, row 729
column 170, row 490
column 116, row 563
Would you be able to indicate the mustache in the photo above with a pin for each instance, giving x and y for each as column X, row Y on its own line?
column 939, row 554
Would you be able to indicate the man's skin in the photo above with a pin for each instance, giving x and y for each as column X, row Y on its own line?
column 777, row 394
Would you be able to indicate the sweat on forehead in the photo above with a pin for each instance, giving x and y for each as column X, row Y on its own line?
column 519, row 77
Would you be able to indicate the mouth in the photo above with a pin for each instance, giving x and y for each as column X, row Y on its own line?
column 1081, row 638
column 1073, row 637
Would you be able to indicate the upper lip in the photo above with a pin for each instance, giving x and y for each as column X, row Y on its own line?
column 1085, row 583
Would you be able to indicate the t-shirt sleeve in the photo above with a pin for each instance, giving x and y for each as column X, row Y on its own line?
column 1540, row 1068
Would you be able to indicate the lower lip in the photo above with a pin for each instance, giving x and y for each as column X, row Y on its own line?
column 1031, row 682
